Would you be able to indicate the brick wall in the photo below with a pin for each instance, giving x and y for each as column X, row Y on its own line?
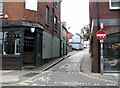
column 17, row 11
column 70, row 35
column 42, row 12
column 104, row 11
column 14, row 10
column 95, row 53
column 65, row 32
column 100, row 10
column 69, row 48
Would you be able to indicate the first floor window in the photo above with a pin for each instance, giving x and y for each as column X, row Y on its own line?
column 55, row 23
column 114, row 4
column 47, row 15
column 55, row 2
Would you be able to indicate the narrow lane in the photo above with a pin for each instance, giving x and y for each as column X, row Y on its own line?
column 66, row 73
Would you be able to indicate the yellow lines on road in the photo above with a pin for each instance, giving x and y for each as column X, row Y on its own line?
column 90, row 76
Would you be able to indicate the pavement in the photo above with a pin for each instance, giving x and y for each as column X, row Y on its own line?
column 86, row 69
column 15, row 76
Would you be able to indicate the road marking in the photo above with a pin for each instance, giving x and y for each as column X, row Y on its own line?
column 23, row 83
column 96, row 84
column 29, row 81
column 97, row 78
column 34, row 84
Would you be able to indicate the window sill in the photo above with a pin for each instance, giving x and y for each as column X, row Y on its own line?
column 55, row 30
column 56, row 7
column 11, row 55
column 47, row 25
column 114, row 8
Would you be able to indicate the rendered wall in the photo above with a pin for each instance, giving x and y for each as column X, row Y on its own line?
column 51, row 46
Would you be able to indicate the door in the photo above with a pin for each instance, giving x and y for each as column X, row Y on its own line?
column 29, row 48
column 28, row 51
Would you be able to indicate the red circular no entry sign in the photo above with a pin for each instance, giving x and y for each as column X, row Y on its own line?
column 101, row 35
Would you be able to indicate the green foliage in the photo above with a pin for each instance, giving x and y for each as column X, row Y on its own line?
column 85, row 32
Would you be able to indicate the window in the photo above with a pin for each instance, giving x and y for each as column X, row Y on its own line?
column 31, row 5
column 0, row 47
column 47, row 15
column 17, row 46
column 111, row 52
column 1, row 35
column 1, row 38
column 1, row 8
column 55, row 23
column 114, row 4
column 11, row 44
column 55, row 3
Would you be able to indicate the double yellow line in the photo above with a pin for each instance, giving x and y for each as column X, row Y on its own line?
column 105, row 80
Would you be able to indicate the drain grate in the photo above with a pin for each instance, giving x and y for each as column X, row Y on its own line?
column 30, row 74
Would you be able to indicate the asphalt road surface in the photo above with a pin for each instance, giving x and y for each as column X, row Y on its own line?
column 65, row 73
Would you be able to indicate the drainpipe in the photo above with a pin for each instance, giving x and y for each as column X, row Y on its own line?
column 98, row 28
column 52, row 37
column 60, row 29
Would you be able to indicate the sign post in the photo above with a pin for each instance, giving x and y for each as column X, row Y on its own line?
column 101, row 35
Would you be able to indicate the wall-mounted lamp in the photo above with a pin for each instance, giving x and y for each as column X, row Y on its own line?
column 32, row 30
column 6, row 16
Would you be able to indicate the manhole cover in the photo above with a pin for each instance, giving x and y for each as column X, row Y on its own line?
column 30, row 74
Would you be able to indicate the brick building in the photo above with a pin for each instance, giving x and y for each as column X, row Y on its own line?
column 65, row 37
column 30, row 33
column 69, row 44
column 108, row 13
column 64, row 40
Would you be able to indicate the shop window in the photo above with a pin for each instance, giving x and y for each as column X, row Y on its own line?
column 17, row 46
column 0, row 47
column 112, row 56
column 11, row 44
column 1, row 35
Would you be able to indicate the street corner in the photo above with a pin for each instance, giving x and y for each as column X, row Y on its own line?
column 8, row 79
column 2, row 72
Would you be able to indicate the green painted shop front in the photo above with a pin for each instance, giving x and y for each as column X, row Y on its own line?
column 21, row 47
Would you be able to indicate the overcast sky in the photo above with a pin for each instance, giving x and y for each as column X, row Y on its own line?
column 75, row 13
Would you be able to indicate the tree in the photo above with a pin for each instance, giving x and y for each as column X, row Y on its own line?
column 85, row 32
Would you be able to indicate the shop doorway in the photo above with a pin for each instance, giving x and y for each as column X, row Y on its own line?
column 29, row 48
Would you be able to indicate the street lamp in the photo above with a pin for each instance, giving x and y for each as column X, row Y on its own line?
column 32, row 29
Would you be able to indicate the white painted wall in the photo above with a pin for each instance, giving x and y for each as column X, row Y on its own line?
column 31, row 5
column 76, row 39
